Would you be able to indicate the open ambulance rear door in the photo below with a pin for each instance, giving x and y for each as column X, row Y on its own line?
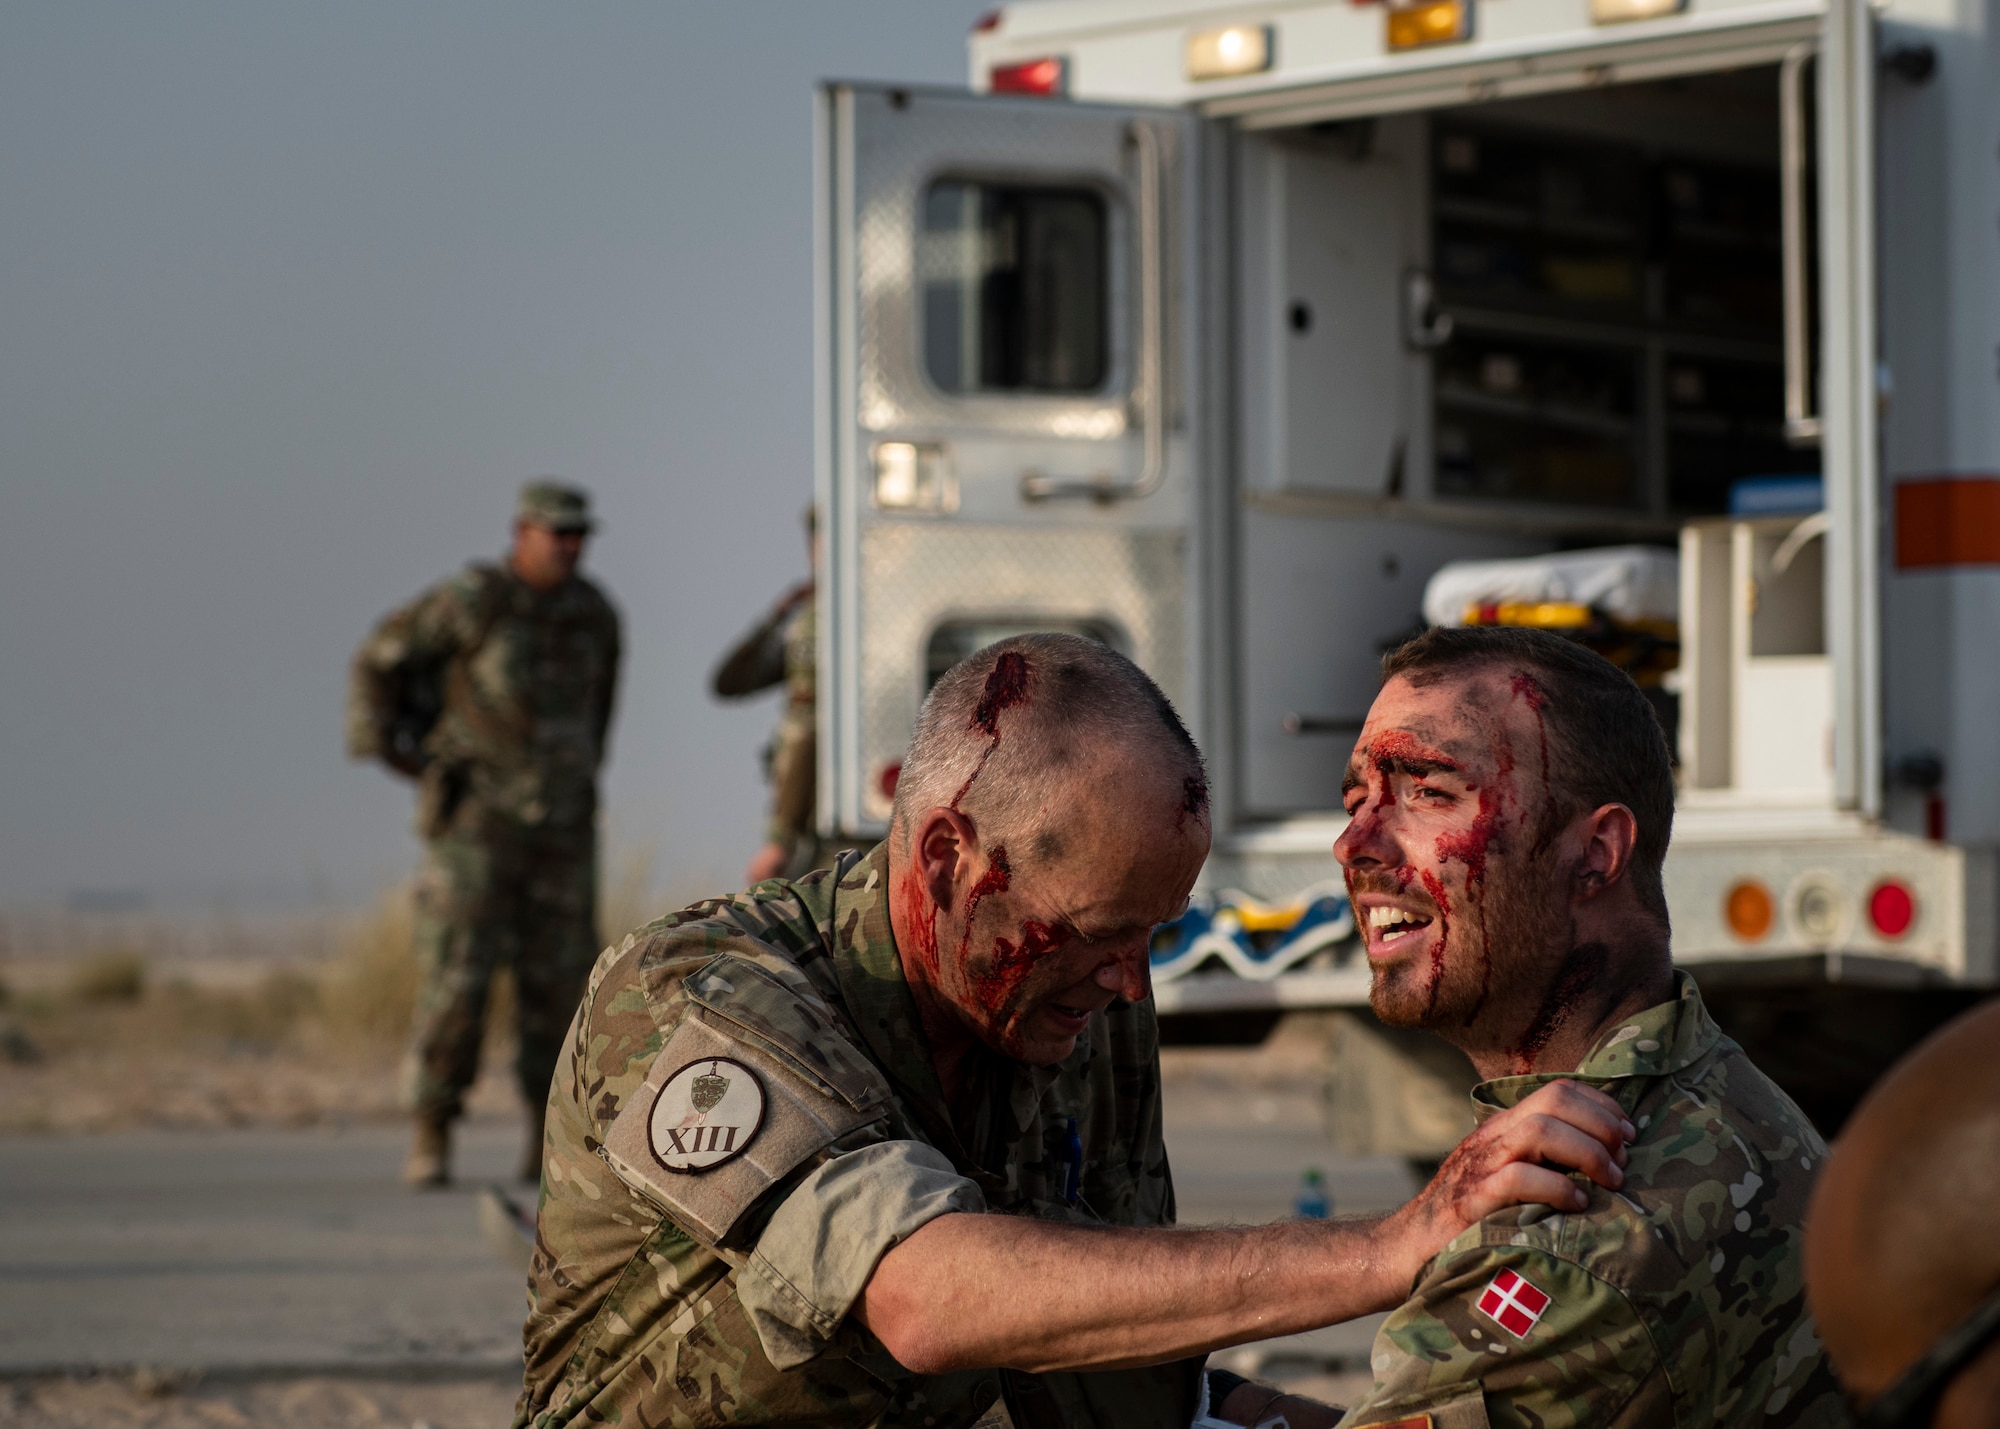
column 1014, row 421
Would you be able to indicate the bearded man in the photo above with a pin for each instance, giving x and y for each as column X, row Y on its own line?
column 882, row 1146
column 1510, row 800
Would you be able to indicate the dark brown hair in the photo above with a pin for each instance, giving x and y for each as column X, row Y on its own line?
column 1606, row 744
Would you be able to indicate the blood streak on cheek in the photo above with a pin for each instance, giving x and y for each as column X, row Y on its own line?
column 997, row 878
column 1013, row 962
column 1470, row 848
column 1436, row 890
column 920, row 916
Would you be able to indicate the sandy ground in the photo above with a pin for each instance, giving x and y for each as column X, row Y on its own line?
column 233, row 1055
column 154, row 1401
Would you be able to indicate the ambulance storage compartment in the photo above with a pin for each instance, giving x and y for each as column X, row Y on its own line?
column 1488, row 332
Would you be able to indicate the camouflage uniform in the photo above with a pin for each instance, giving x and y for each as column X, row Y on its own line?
column 784, row 648
column 1676, row 1301
column 507, row 804
column 721, row 1296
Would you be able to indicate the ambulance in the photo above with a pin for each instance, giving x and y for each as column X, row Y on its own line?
column 1228, row 333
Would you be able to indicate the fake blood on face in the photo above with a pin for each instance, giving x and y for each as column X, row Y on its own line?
column 997, row 879
column 1013, row 962
column 1531, row 695
column 1399, row 747
column 1436, row 977
column 1194, row 801
column 1471, row 847
column 920, row 916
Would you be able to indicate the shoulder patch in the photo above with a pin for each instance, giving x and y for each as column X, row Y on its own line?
column 706, row 1114
column 718, row 1122
column 1513, row 1302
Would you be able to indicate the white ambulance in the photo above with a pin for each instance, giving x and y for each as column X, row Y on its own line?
column 1216, row 331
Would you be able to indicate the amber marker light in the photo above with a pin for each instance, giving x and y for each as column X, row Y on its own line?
column 1224, row 54
column 1432, row 22
column 1892, row 908
column 1048, row 76
column 1748, row 910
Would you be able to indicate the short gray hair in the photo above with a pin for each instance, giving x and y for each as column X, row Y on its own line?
column 1003, row 727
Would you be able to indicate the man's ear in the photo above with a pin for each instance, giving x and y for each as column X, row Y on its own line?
column 1610, row 834
column 943, row 849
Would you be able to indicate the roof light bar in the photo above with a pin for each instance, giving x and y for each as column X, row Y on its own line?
column 1048, row 76
column 1225, row 54
column 1429, row 22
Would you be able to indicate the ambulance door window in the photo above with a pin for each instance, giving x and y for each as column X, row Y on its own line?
column 1014, row 287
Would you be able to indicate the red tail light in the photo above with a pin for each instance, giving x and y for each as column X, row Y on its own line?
column 1044, row 76
column 1892, row 908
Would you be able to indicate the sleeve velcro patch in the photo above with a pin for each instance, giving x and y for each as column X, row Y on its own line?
column 1466, row 1410
column 719, row 1121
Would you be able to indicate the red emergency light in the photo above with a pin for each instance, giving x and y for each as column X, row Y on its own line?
column 1048, row 76
column 1892, row 908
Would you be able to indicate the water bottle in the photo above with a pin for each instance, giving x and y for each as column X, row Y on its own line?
column 1312, row 1203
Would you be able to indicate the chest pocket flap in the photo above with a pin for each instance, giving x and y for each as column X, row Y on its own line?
column 749, row 1085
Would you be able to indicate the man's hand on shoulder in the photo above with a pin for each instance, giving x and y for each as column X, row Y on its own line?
column 1521, row 1155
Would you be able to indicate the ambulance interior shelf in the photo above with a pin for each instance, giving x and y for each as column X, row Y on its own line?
column 1615, row 303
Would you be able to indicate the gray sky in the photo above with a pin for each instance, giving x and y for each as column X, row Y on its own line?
column 291, row 299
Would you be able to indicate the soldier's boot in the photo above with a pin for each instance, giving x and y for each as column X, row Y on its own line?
column 531, row 1150
column 430, row 1154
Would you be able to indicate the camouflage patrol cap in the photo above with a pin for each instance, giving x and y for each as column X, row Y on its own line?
column 552, row 504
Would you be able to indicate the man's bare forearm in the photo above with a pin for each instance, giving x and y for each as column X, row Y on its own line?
column 988, row 1290
column 984, row 1291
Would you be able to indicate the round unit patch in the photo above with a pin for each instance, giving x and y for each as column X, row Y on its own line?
column 707, row 1113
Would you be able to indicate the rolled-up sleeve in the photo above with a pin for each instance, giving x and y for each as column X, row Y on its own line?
column 817, row 1251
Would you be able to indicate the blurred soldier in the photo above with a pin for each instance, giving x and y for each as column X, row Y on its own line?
column 1510, row 801
column 493, row 692
column 784, row 649
column 1903, row 1247
column 882, row 1145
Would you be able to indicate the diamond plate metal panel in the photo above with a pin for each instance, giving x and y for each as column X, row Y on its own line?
column 915, row 576
column 900, row 148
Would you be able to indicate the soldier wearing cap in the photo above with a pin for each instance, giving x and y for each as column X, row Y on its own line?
column 493, row 692
column 882, row 1145
column 1510, row 801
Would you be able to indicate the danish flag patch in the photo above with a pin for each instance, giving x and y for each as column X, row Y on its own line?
column 1513, row 1304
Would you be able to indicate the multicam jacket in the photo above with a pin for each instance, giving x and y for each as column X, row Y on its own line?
column 1676, row 1301
column 685, row 1275
column 519, row 681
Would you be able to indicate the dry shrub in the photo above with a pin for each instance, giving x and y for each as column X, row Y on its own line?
column 117, row 976
column 370, row 988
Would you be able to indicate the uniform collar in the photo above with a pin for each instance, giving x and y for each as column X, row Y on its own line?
column 1655, row 1043
column 871, row 977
